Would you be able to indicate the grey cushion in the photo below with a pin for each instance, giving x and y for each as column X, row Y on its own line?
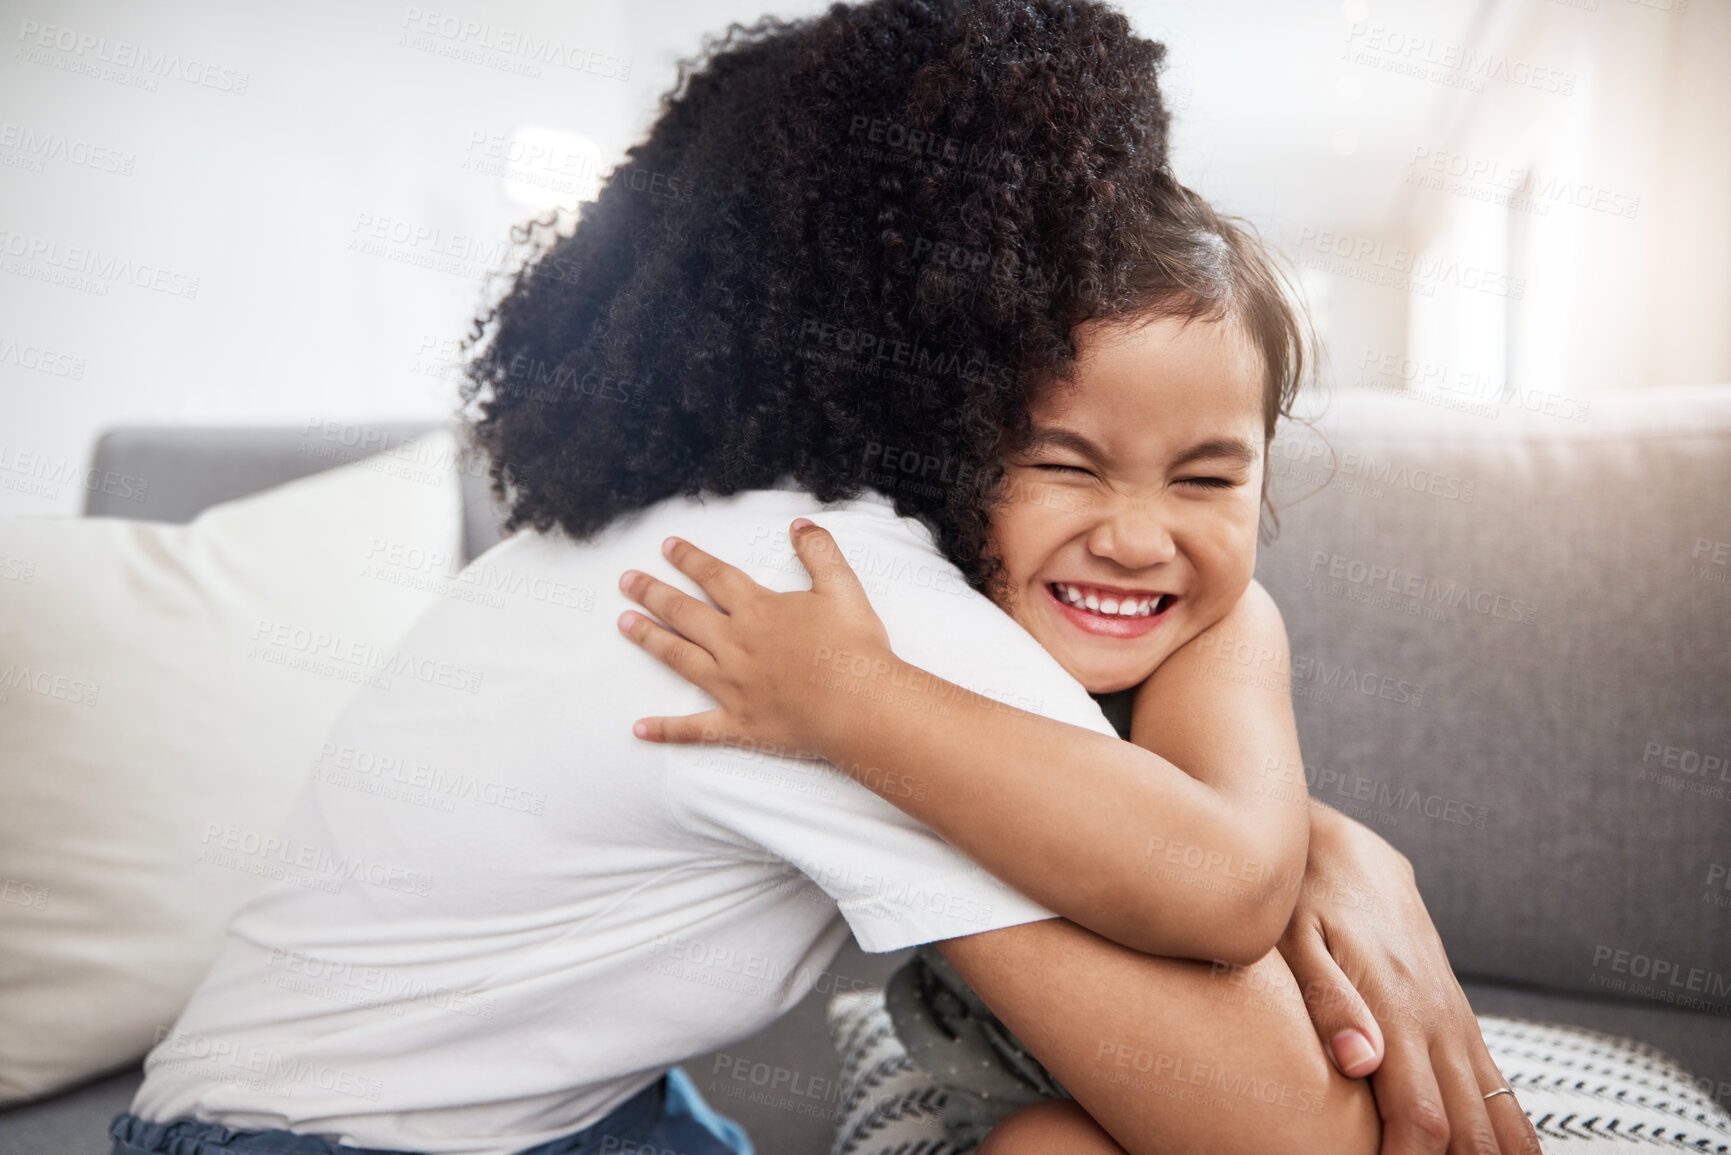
column 1562, row 785
column 72, row 1123
column 1422, row 728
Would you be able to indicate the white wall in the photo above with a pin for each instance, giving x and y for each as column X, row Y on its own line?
column 1612, row 205
column 260, row 188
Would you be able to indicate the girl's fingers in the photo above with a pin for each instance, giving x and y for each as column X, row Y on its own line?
column 823, row 560
column 691, row 728
column 689, row 661
column 682, row 612
column 727, row 585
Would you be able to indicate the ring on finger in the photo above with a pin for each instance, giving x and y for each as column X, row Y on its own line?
column 1500, row 1091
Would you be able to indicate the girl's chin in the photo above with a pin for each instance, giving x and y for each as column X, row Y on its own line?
column 1099, row 672
column 1114, row 685
column 1102, row 665
column 1105, row 677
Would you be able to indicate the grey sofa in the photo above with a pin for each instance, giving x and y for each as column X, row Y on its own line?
column 1511, row 655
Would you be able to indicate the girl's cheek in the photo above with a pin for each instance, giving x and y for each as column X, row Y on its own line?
column 1010, row 538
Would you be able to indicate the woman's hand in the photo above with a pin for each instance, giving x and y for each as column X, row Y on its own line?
column 763, row 656
column 1385, row 1001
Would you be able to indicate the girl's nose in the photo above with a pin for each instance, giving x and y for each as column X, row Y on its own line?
column 1134, row 536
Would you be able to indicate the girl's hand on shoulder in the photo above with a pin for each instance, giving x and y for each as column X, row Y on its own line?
column 768, row 659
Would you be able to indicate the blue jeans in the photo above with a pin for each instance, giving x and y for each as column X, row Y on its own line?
column 668, row 1117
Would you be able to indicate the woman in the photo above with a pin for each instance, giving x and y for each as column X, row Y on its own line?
column 813, row 300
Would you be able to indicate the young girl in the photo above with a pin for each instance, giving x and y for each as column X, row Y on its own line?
column 891, row 219
column 1124, row 544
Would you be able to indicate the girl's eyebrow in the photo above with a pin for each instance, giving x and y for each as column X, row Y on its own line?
column 1049, row 437
column 1234, row 449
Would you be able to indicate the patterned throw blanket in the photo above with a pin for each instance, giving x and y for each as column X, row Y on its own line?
column 1587, row 1093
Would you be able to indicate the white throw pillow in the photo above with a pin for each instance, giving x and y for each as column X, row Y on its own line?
column 164, row 690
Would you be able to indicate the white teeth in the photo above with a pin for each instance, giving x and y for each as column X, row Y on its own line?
column 1125, row 608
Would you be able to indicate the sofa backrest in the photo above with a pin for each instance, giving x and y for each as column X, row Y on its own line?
column 167, row 473
column 1511, row 639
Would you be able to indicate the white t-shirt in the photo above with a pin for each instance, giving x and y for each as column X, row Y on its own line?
column 497, row 914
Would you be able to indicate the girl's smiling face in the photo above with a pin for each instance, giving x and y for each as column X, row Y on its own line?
column 1130, row 521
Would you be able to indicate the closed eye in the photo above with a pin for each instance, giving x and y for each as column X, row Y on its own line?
column 1066, row 468
column 1208, row 482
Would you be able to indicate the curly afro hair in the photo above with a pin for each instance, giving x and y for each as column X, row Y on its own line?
column 850, row 243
